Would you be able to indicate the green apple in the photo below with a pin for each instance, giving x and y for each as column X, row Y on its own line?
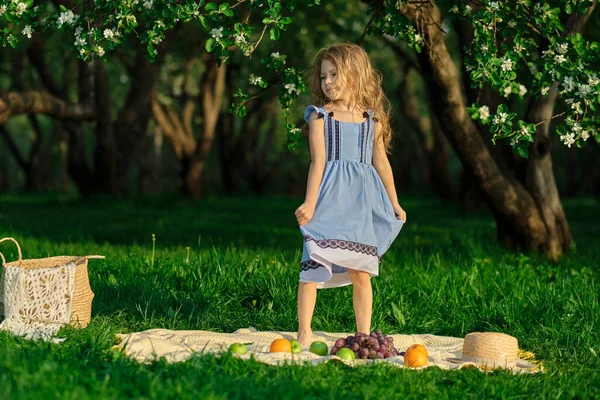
column 238, row 348
column 346, row 354
column 319, row 348
column 296, row 346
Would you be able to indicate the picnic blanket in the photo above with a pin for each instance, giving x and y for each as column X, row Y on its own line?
column 175, row 346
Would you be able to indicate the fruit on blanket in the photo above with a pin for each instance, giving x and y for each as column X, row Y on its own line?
column 319, row 348
column 238, row 348
column 346, row 354
column 372, row 346
column 296, row 346
column 281, row 346
column 415, row 356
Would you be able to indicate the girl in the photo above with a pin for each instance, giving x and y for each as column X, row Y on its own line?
column 351, row 214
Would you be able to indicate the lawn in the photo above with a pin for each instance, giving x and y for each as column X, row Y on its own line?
column 445, row 275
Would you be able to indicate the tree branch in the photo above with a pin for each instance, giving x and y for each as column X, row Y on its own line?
column 15, row 103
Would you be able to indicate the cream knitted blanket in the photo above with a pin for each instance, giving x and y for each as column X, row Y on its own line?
column 177, row 346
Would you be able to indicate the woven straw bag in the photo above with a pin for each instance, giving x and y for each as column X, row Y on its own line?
column 81, row 308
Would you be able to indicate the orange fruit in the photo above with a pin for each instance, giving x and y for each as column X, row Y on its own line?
column 415, row 356
column 281, row 345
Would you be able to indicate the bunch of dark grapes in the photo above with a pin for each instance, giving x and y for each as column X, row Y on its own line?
column 372, row 346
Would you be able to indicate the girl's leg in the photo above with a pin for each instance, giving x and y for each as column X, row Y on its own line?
column 362, row 297
column 307, row 297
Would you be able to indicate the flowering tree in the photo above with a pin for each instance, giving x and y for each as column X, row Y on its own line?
column 520, row 49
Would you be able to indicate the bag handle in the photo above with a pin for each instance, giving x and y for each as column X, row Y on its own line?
column 18, row 249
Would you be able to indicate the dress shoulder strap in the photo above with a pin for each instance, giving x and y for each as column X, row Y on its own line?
column 309, row 110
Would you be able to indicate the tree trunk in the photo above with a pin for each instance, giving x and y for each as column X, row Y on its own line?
column 178, row 129
column 519, row 220
column 132, row 123
column 212, row 89
column 430, row 139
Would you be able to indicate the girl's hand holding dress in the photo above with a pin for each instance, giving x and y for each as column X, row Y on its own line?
column 400, row 213
column 305, row 212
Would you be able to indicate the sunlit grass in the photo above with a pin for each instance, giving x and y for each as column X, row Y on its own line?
column 223, row 264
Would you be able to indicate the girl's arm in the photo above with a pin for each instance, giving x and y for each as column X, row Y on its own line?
column 305, row 212
column 384, row 169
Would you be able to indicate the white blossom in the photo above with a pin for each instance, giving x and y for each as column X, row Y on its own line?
column 66, row 17
column 568, row 139
column 545, row 90
column 559, row 59
column 79, row 41
column 295, row 130
column 239, row 38
column 454, row 9
column 507, row 91
column 255, row 80
column 291, row 88
column 217, row 33
column 507, row 64
column 500, row 118
column 276, row 56
column 484, row 112
column 585, row 135
column 593, row 79
column 467, row 9
column 512, row 24
column 494, row 6
column 584, row 90
column 100, row 51
column 577, row 108
column 27, row 31
column 522, row 90
column 2, row 10
column 562, row 48
column 148, row 4
column 524, row 130
column 519, row 47
column 547, row 53
column 109, row 34
column 161, row 25
column 568, row 84
column 418, row 38
column 21, row 7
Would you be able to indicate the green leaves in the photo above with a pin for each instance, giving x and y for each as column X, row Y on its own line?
column 274, row 34
column 210, row 45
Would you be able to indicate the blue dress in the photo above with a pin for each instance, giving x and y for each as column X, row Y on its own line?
column 354, row 221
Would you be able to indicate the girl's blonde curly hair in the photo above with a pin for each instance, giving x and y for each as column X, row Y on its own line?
column 360, row 78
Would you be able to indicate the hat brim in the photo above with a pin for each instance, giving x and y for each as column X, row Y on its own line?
column 521, row 364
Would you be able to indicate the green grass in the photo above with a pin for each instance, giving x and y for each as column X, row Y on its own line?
column 445, row 275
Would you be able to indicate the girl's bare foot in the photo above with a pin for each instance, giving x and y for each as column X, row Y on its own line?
column 304, row 338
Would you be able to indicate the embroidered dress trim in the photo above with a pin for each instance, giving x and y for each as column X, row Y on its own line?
column 344, row 245
column 310, row 264
column 329, row 138
column 367, row 140
column 337, row 140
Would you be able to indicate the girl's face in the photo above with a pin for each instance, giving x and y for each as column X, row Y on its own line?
column 330, row 84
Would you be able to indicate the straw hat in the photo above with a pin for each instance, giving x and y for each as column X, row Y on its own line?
column 490, row 350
